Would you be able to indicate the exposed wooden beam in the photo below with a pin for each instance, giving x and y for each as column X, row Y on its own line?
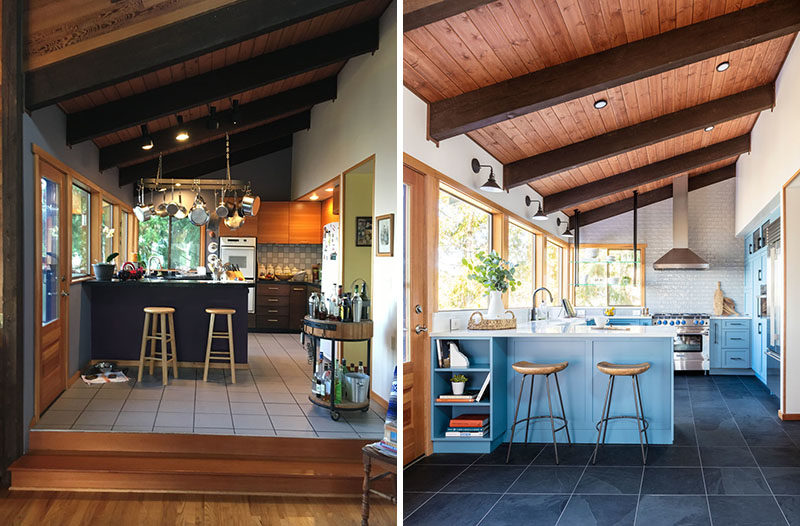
column 167, row 45
column 211, row 150
column 654, row 196
column 237, row 157
column 637, row 136
column 421, row 13
column 613, row 67
column 12, row 355
column 646, row 174
column 222, row 83
column 261, row 110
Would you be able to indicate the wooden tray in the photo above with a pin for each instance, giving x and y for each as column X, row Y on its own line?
column 491, row 325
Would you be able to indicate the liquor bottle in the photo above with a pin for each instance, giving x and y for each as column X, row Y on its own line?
column 361, row 367
column 327, row 383
column 337, row 396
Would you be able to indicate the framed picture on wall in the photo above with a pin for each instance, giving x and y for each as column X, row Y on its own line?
column 363, row 231
column 385, row 235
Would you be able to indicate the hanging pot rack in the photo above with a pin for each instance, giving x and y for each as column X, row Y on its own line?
column 202, row 184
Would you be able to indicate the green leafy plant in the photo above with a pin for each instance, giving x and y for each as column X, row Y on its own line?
column 459, row 378
column 492, row 272
column 111, row 257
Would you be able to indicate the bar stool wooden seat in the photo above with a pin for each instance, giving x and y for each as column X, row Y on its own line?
column 226, row 355
column 533, row 369
column 613, row 370
column 153, row 317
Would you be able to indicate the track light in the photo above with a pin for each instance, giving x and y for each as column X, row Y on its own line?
column 147, row 141
column 213, row 122
column 567, row 232
column 182, row 134
column 539, row 215
column 491, row 184
column 236, row 114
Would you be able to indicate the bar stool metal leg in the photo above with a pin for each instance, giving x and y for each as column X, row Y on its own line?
column 636, row 402
column 641, row 408
column 608, row 413
column 561, row 401
column 552, row 422
column 530, row 404
column 602, row 420
column 516, row 413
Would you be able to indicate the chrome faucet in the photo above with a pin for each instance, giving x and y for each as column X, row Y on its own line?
column 150, row 261
column 533, row 301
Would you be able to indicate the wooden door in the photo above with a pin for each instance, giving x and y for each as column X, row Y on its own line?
column 416, row 315
column 53, row 272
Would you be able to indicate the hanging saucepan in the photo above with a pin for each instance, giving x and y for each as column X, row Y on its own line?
column 161, row 209
column 199, row 215
column 230, row 203
column 144, row 212
column 222, row 210
column 181, row 213
column 172, row 206
column 250, row 203
column 234, row 221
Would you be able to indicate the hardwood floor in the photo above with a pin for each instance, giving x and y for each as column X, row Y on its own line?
column 134, row 509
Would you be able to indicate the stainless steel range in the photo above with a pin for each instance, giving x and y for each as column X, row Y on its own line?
column 691, row 342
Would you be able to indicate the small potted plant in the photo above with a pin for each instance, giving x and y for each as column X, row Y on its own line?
column 458, row 382
column 105, row 271
column 496, row 275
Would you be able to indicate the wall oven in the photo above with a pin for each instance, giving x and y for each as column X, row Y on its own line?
column 241, row 251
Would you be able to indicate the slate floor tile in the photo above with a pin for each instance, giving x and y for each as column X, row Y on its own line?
column 600, row 510
column 429, row 478
column 745, row 511
column 672, row 481
column 777, row 456
column 735, row 481
column 726, row 456
column 413, row 500
column 783, row 481
column 541, row 510
column 661, row 510
column 441, row 508
column 676, row 456
column 610, row 480
column 547, row 479
column 484, row 479
column 790, row 505
column 568, row 455
column 521, row 454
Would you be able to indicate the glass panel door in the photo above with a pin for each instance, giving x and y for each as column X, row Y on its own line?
column 51, row 264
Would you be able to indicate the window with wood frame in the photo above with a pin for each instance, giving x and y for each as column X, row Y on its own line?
column 107, row 231
column 522, row 253
column 464, row 230
column 81, row 232
column 176, row 242
column 553, row 270
column 608, row 276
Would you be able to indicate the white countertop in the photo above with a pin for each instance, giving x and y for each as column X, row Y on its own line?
column 569, row 329
column 739, row 317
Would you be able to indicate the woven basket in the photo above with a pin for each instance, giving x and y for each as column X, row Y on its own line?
column 491, row 325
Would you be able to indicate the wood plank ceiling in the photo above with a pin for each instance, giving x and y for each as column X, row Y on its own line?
column 508, row 39
column 294, row 91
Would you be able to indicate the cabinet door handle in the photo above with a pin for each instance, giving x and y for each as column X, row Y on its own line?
column 759, row 274
column 298, row 288
column 759, row 328
column 716, row 333
column 750, row 249
column 274, row 300
column 273, row 321
column 737, row 339
column 740, row 359
column 272, row 311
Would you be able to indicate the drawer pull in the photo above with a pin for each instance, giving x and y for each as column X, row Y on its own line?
column 298, row 288
column 274, row 300
column 273, row 311
column 737, row 339
column 740, row 359
column 274, row 321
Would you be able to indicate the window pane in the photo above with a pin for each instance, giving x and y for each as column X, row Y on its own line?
column 464, row 230
column 593, row 277
column 107, row 235
column 621, row 288
column 552, row 277
column 154, row 240
column 50, row 250
column 520, row 252
column 123, row 236
column 81, row 201
column 607, row 278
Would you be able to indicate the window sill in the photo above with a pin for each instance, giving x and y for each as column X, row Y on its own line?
column 81, row 279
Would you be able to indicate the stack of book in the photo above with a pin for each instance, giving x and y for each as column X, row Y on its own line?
column 469, row 396
column 472, row 425
column 388, row 446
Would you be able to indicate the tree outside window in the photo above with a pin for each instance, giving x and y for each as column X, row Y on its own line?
column 175, row 241
column 81, row 202
column 107, row 231
column 123, row 234
column 521, row 253
column 609, row 277
column 464, row 230
column 554, row 257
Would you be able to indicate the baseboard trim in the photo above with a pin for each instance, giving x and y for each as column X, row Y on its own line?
column 380, row 401
column 788, row 416
column 74, row 378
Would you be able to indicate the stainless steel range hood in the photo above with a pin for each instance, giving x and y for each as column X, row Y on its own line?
column 680, row 257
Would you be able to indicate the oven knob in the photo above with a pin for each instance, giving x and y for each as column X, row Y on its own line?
column 695, row 322
column 672, row 322
column 683, row 322
column 658, row 322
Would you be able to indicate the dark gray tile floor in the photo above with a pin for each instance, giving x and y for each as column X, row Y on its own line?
column 733, row 463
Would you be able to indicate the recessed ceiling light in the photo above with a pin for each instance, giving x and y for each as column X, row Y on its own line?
column 177, row 184
column 600, row 103
column 329, row 189
column 722, row 66
column 314, row 197
column 708, row 128
column 181, row 134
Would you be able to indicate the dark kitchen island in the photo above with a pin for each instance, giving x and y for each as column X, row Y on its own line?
column 117, row 317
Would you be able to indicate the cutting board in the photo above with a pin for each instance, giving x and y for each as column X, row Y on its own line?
column 719, row 300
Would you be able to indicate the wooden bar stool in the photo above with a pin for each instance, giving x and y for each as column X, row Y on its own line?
column 165, row 336
column 532, row 369
column 220, row 355
column 613, row 370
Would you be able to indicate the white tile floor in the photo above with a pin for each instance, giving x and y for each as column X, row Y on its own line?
column 271, row 399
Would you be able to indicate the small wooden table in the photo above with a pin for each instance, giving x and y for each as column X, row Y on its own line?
column 372, row 456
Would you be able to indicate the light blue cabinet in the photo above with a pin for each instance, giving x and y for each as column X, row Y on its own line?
column 755, row 270
column 730, row 343
column 614, row 320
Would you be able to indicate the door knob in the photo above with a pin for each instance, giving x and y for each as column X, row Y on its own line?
column 64, row 293
column 420, row 328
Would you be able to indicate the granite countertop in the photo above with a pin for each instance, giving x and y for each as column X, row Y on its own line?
column 172, row 283
column 563, row 328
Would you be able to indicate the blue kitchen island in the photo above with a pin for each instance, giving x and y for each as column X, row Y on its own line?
column 583, row 387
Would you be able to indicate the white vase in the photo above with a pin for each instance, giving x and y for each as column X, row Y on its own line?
column 495, row 305
column 458, row 387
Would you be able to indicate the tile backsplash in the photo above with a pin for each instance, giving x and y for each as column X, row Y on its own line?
column 300, row 256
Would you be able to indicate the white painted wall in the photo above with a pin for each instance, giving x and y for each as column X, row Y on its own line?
column 453, row 157
column 790, row 226
column 711, row 236
column 774, row 155
column 362, row 121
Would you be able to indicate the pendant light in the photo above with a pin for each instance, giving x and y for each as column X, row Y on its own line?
column 539, row 215
column 181, row 134
column 491, row 184
column 213, row 121
column 147, row 140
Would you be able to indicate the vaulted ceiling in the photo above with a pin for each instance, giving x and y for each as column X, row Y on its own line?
column 115, row 68
column 521, row 79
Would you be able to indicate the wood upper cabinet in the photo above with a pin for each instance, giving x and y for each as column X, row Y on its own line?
column 327, row 212
column 273, row 222
column 304, row 222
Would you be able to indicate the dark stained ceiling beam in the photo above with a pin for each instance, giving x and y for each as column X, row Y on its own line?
column 429, row 12
column 637, row 136
column 222, row 83
column 213, row 149
column 237, row 157
column 631, row 179
column 261, row 110
column 654, row 196
column 167, row 45
column 613, row 67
